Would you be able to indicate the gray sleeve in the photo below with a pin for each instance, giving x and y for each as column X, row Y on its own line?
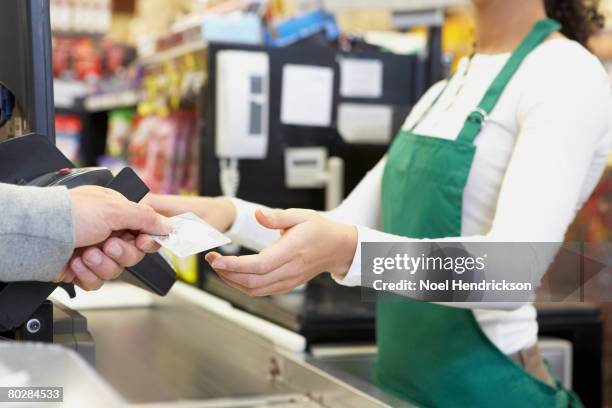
column 36, row 232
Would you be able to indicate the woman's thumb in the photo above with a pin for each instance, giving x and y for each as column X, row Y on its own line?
column 281, row 219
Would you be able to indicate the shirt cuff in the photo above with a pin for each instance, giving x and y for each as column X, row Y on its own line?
column 246, row 231
column 55, row 207
column 243, row 210
column 353, row 276
column 52, row 208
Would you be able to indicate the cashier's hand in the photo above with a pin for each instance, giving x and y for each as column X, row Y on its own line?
column 109, row 235
column 310, row 244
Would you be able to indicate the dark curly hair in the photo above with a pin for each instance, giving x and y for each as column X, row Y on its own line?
column 579, row 18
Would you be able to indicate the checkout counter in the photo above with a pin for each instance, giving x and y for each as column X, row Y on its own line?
column 193, row 349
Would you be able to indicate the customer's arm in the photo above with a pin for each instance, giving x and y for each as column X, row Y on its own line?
column 36, row 232
column 40, row 228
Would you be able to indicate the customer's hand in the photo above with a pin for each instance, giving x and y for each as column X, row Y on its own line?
column 218, row 212
column 90, row 267
column 100, row 212
column 310, row 244
column 104, row 244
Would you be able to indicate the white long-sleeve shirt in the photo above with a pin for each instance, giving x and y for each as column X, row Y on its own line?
column 538, row 159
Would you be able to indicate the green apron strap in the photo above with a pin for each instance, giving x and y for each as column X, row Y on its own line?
column 478, row 116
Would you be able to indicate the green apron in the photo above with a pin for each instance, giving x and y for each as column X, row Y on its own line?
column 433, row 355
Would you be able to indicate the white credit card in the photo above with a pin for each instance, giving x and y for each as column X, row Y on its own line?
column 191, row 236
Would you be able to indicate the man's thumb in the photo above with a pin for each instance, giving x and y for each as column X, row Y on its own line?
column 142, row 218
column 281, row 219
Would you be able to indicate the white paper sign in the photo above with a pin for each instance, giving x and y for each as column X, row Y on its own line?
column 361, row 78
column 307, row 95
column 365, row 123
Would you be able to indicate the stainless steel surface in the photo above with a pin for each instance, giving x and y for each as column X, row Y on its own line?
column 333, row 386
column 280, row 401
column 46, row 366
column 355, row 368
column 177, row 351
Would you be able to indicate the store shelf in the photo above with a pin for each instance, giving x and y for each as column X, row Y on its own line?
column 395, row 5
column 110, row 101
column 173, row 53
column 78, row 34
column 68, row 93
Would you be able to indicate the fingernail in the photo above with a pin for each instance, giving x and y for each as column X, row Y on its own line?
column 94, row 258
column 114, row 250
column 218, row 265
column 77, row 265
column 148, row 246
column 266, row 213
